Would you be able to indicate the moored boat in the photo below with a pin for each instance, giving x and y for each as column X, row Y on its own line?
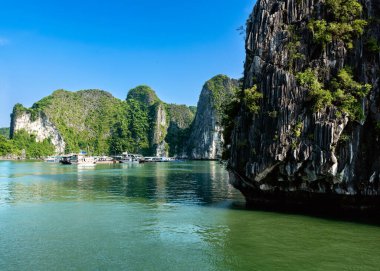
column 129, row 158
column 104, row 160
column 52, row 159
column 65, row 160
column 149, row 159
column 79, row 159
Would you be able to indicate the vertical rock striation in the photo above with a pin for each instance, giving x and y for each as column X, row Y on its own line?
column 160, row 126
column 206, row 138
column 168, row 123
column 181, row 117
column 292, row 153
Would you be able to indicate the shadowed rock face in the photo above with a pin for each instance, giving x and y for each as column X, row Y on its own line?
column 328, row 155
column 160, row 124
column 206, row 138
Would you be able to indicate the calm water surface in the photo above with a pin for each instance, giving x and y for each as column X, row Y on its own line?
column 160, row 216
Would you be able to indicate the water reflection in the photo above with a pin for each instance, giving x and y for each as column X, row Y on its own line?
column 158, row 217
column 178, row 183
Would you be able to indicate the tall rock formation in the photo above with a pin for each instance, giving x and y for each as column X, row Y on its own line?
column 72, row 120
column 160, row 127
column 316, row 134
column 181, row 117
column 168, row 123
column 206, row 138
column 95, row 121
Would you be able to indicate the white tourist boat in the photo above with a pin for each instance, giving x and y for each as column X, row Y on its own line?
column 78, row 159
column 104, row 160
column 129, row 157
column 52, row 159
column 157, row 159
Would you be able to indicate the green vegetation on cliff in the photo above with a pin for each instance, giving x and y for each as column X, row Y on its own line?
column 25, row 145
column 140, row 129
column 221, row 91
column 182, row 115
column 130, row 131
column 83, row 118
column 95, row 121
column 6, row 146
column 343, row 92
column 250, row 99
column 372, row 45
column 5, row 132
column 181, row 118
column 293, row 46
column 321, row 97
column 33, row 149
column 341, row 23
column 206, row 137
column 143, row 94
column 228, row 122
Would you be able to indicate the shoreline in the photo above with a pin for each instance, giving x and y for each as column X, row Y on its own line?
column 21, row 159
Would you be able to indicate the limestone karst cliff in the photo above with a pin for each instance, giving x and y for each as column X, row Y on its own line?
column 315, row 135
column 72, row 120
column 168, row 123
column 95, row 121
column 206, row 137
column 39, row 125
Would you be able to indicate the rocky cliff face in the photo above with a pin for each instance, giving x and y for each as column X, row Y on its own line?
column 160, row 127
column 40, row 126
column 82, row 120
column 288, row 151
column 96, row 121
column 206, row 138
column 168, row 123
column 180, row 119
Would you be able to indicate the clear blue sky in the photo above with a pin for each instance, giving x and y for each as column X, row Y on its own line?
column 173, row 46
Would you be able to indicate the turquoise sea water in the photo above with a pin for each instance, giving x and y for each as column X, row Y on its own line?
column 161, row 216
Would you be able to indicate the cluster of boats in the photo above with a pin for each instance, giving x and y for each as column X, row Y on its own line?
column 82, row 159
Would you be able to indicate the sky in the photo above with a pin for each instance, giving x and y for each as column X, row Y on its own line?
column 173, row 46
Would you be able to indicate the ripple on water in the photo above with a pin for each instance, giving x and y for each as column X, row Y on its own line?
column 171, row 216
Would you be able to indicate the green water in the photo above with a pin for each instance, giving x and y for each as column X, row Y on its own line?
column 160, row 216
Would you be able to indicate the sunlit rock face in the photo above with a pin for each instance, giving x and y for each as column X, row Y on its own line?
column 159, row 132
column 206, row 137
column 40, row 126
column 101, row 122
column 291, row 152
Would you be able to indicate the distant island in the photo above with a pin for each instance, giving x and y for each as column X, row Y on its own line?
column 95, row 121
